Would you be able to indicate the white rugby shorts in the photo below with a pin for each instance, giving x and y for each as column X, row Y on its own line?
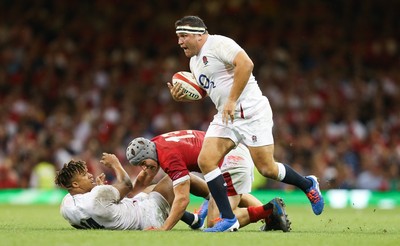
column 238, row 171
column 153, row 208
column 254, row 130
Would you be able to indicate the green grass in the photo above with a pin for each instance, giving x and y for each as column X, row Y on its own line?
column 42, row 225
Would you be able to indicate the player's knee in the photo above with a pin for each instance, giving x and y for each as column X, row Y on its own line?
column 204, row 162
column 268, row 171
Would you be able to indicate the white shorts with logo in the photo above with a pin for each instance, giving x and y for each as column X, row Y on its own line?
column 252, row 130
column 238, row 171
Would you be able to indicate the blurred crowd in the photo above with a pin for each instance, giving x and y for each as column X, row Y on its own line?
column 78, row 78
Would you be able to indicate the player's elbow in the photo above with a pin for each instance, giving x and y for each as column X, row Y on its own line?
column 249, row 65
column 128, row 183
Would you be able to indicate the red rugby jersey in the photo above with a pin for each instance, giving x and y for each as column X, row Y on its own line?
column 178, row 151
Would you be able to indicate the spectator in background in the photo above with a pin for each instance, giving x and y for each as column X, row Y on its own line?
column 8, row 176
column 42, row 176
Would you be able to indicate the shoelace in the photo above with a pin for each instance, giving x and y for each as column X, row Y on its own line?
column 216, row 220
column 313, row 196
column 197, row 211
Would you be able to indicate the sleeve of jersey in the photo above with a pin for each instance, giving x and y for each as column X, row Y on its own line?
column 177, row 170
column 180, row 180
column 227, row 49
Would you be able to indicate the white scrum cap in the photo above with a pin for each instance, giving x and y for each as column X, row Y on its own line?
column 140, row 149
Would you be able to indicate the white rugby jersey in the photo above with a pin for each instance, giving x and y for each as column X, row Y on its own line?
column 214, row 70
column 99, row 209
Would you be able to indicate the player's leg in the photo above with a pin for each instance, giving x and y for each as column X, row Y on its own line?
column 278, row 219
column 266, row 165
column 248, row 200
column 239, row 179
column 257, row 135
column 213, row 150
column 165, row 188
column 238, row 169
column 273, row 213
column 197, row 219
column 198, row 187
column 238, row 172
column 213, row 212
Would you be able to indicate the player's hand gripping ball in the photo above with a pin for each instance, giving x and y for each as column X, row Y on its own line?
column 190, row 87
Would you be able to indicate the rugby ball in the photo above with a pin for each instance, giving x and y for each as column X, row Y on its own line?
column 189, row 84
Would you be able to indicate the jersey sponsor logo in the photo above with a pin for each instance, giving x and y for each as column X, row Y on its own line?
column 234, row 158
column 232, row 161
column 205, row 82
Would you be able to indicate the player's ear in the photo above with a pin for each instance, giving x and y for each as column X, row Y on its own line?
column 74, row 184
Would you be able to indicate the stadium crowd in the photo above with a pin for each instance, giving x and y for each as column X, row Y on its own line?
column 78, row 78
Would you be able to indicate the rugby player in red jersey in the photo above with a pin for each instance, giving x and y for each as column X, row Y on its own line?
column 176, row 154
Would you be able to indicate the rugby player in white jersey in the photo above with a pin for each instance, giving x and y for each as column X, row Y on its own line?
column 224, row 70
column 91, row 204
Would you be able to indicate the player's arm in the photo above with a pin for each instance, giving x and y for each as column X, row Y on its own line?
column 143, row 180
column 179, row 205
column 243, row 69
column 123, row 183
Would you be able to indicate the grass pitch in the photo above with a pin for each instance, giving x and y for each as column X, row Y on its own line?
column 43, row 225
